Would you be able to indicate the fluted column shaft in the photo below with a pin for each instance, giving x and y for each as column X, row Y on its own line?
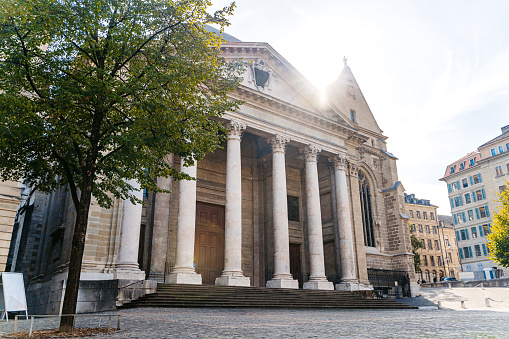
column 232, row 274
column 346, row 243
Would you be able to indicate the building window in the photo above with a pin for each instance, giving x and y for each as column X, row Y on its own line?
column 493, row 152
column 500, row 149
column 293, row 208
column 461, row 217
column 498, row 171
column 486, row 229
column 458, row 201
column 437, row 246
column 501, row 188
column 439, row 260
column 472, row 162
column 430, row 244
column 470, row 215
column 462, row 166
column 464, row 182
column 447, row 243
column 453, row 169
column 477, row 178
column 450, row 257
column 477, row 250
column 479, row 194
column 467, row 252
column 474, row 232
column 427, row 229
column 432, row 260
column 420, row 228
column 367, row 214
column 455, row 186
column 412, row 227
column 352, row 115
column 423, row 243
column 482, row 212
column 464, row 234
column 411, row 214
column 432, row 215
column 468, row 200
column 418, row 213
column 425, row 215
column 507, row 147
column 425, row 260
column 434, row 230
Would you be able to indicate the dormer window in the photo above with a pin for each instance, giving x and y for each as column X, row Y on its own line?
column 453, row 169
column 352, row 116
column 472, row 162
column 462, row 166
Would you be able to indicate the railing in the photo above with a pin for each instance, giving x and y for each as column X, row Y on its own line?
column 32, row 321
column 384, row 282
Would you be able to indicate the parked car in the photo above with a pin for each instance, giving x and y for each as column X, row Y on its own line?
column 450, row 279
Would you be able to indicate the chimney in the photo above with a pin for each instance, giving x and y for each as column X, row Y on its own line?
column 505, row 129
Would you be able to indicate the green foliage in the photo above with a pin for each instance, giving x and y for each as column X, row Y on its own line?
column 498, row 239
column 416, row 244
column 95, row 92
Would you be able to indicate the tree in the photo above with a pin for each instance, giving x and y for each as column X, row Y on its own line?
column 416, row 244
column 498, row 239
column 94, row 93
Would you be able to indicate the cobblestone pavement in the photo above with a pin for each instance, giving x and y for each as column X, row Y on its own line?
column 289, row 323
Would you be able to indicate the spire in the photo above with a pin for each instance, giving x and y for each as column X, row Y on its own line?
column 345, row 60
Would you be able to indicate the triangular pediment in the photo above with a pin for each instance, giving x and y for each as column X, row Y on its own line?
column 269, row 75
column 346, row 95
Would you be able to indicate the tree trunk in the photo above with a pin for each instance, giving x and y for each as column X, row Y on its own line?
column 78, row 246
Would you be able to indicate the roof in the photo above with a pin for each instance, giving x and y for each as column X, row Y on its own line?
column 226, row 36
column 466, row 159
column 504, row 135
column 447, row 219
column 411, row 199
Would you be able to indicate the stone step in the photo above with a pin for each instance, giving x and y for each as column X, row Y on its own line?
column 232, row 296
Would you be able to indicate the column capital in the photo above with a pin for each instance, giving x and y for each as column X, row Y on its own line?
column 339, row 161
column 279, row 143
column 235, row 129
column 310, row 152
column 354, row 168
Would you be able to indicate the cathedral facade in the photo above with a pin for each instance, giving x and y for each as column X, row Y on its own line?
column 304, row 194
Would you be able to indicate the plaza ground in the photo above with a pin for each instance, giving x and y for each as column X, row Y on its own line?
column 291, row 323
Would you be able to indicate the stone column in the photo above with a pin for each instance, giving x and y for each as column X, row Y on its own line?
column 346, row 243
column 282, row 277
column 160, row 228
column 127, row 263
column 232, row 274
column 317, row 279
column 184, row 272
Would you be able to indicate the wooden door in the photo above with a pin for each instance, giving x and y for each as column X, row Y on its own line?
column 295, row 266
column 209, row 242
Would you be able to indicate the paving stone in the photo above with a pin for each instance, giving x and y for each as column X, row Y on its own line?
column 288, row 323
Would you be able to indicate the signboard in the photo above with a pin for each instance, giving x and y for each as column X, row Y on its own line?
column 12, row 293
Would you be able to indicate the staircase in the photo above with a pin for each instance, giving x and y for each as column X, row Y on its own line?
column 169, row 295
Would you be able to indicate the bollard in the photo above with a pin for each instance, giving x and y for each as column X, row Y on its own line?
column 450, row 286
column 109, row 324
column 439, row 304
column 31, row 326
column 488, row 302
column 118, row 322
column 463, row 304
column 15, row 324
column 482, row 286
column 100, row 321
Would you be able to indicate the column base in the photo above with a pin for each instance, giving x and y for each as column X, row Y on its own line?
column 232, row 280
column 183, row 278
column 318, row 285
column 353, row 286
column 125, row 274
column 282, row 283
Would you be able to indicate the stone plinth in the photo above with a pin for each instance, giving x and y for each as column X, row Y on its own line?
column 183, row 278
column 353, row 286
column 283, row 283
column 230, row 280
column 318, row 285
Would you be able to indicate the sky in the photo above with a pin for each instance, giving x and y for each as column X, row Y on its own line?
column 434, row 73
